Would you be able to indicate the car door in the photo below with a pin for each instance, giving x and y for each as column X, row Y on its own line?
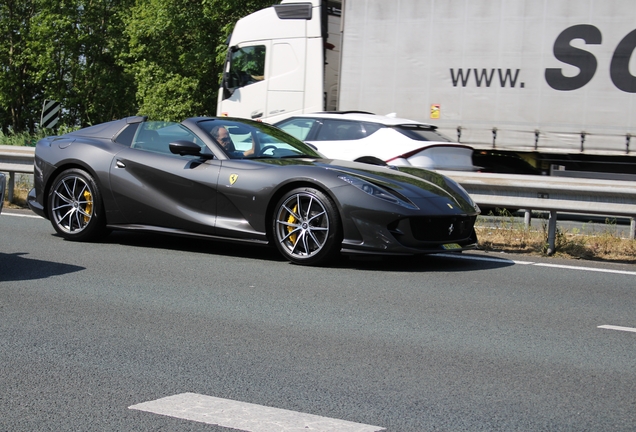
column 154, row 187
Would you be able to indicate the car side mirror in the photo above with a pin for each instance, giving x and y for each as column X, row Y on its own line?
column 187, row 148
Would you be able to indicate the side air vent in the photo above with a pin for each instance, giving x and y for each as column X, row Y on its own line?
column 294, row 11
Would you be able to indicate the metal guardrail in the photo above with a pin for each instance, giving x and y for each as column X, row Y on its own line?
column 15, row 159
column 552, row 194
column 527, row 192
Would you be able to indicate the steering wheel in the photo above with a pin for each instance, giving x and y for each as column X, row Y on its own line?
column 262, row 151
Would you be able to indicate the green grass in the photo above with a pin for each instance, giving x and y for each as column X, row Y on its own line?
column 29, row 139
column 21, row 139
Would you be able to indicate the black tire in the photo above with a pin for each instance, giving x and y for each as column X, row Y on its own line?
column 75, row 206
column 306, row 227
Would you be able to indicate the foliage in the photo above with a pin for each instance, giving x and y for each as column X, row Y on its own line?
column 16, row 89
column 64, row 51
column 107, row 59
column 177, row 51
column 20, row 138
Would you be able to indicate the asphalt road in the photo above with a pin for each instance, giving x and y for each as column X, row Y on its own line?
column 442, row 343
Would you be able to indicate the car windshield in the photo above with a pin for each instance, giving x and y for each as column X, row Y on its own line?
column 241, row 139
column 421, row 133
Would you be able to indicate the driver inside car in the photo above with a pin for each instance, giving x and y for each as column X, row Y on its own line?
column 222, row 136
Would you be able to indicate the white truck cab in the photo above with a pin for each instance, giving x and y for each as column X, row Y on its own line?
column 276, row 62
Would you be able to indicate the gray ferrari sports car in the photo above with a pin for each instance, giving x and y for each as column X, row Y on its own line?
column 240, row 180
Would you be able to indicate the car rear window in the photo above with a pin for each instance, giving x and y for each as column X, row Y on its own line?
column 344, row 130
column 421, row 133
column 299, row 128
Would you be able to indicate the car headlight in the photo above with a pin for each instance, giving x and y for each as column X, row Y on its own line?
column 377, row 191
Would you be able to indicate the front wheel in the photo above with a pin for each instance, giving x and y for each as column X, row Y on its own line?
column 75, row 206
column 306, row 227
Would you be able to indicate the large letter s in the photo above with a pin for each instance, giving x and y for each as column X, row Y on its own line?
column 579, row 58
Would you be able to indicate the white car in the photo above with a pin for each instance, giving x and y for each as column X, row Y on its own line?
column 371, row 138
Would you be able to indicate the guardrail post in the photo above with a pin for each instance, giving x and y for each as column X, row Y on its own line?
column 10, row 187
column 552, row 224
column 527, row 216
column 632, row 228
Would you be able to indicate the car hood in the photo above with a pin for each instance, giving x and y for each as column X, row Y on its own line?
column 419, row 185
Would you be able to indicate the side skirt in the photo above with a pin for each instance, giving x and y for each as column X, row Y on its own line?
column 181, row 233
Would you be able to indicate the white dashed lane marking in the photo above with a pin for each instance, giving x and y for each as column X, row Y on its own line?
column 611, row 327
column 561, row 266
column 4, row 213
column 246, row 416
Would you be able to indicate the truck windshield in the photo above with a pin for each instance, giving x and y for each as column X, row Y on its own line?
column 247, row 66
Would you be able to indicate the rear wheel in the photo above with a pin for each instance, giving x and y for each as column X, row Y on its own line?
column 75, row 206
column 306, row 227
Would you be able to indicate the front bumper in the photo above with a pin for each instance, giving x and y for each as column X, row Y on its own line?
column 413, row 235
column 34, row 205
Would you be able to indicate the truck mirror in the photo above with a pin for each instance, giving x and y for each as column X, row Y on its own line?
column 227, row 90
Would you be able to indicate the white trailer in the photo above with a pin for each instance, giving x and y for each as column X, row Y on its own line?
column 550, row 81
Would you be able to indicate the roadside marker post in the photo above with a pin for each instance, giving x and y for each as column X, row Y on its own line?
column 50, row 114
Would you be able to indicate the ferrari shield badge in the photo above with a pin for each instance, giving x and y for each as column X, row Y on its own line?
column 233, row 178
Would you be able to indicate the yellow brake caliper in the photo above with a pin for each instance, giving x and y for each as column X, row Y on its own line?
column 89, row 205
column 292, row 220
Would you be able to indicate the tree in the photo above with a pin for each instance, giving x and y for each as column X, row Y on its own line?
column 102, row 88
column 107, row 59
column 177, row 51
column 76, row 46
column 67, row 51
column 16, row 86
